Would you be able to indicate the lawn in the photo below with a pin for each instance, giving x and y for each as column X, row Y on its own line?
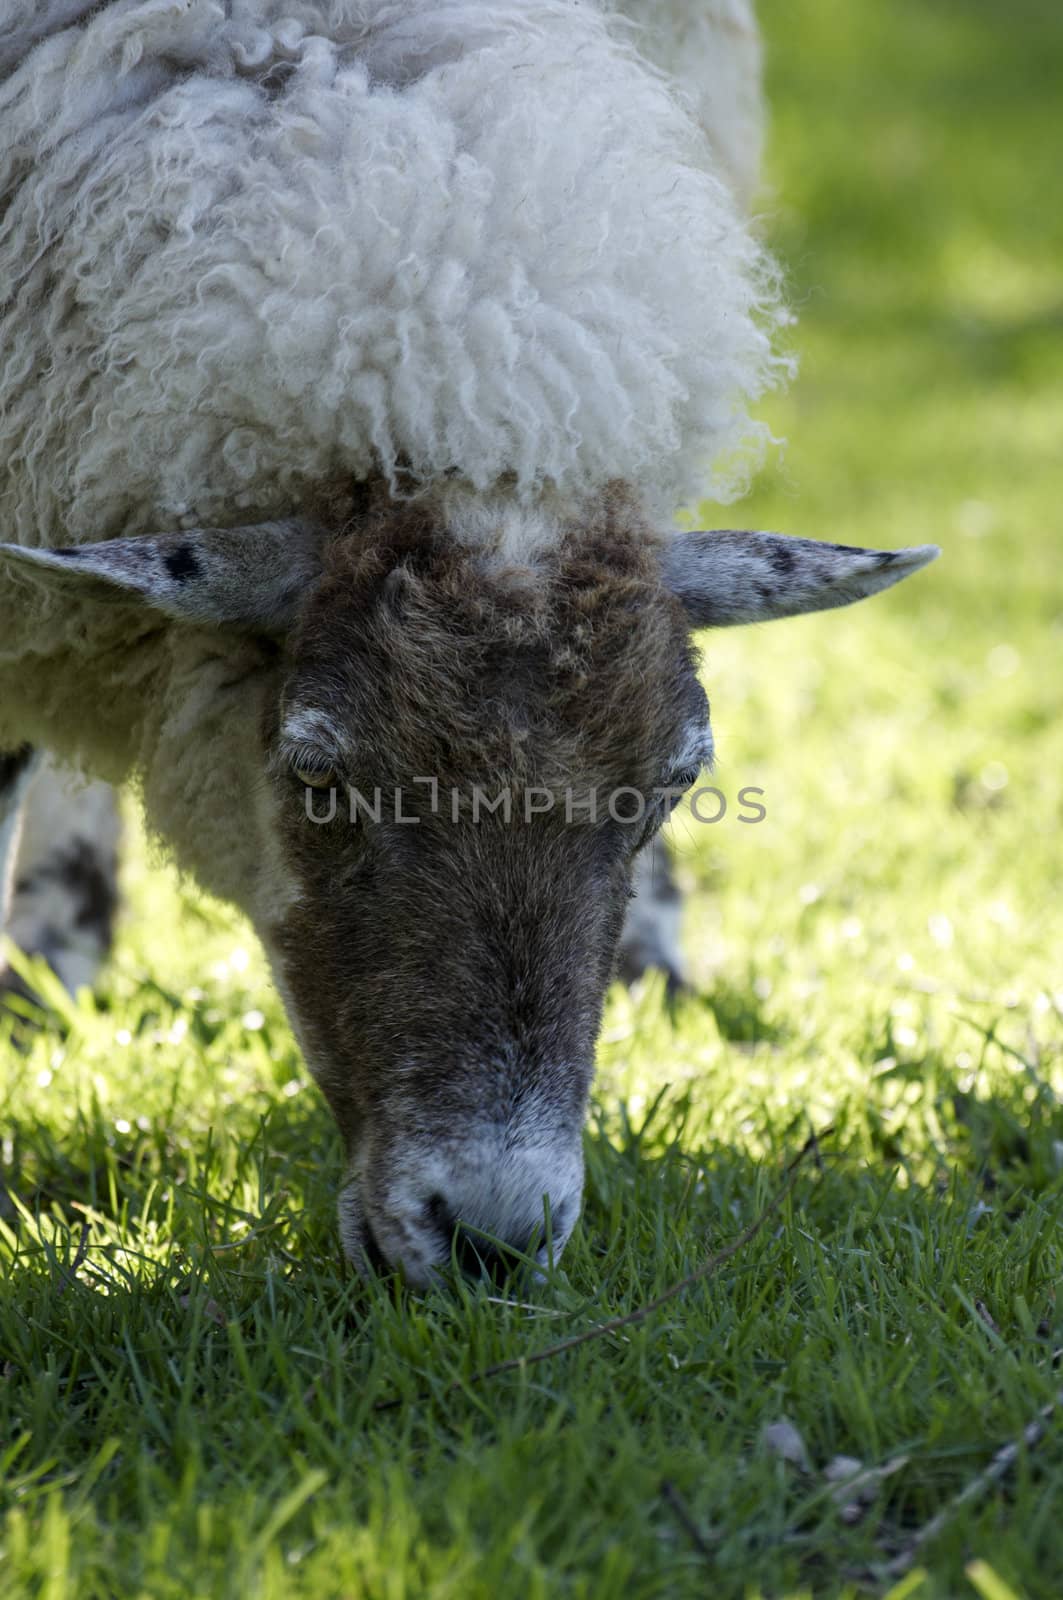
column 198, row 1399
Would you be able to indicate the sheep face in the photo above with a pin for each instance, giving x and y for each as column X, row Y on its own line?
column 467, row 754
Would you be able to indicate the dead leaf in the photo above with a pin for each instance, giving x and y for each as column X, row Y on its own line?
column 783, row 1440
column 854, row 1486
column 211, row 1309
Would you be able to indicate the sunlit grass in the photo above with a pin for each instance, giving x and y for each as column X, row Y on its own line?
column 188, row 1375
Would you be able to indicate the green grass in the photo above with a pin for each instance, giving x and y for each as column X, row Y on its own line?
column 191, row 1411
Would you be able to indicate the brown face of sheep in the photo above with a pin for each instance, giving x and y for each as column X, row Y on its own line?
column 471, row 738
column 444, row 950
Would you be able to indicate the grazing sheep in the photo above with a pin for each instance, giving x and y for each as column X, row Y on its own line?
column 408, row 325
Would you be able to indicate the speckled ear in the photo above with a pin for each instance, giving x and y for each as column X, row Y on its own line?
column 249, row 577
column 725, row 578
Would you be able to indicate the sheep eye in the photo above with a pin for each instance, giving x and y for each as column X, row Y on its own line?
column 315, row 777
column 680, row 783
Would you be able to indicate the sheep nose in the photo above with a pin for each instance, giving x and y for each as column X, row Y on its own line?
column 484, row 1206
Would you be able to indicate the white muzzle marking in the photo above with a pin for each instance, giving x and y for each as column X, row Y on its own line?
column 494, row 1195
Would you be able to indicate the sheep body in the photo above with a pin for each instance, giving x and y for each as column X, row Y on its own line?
column 253, row 248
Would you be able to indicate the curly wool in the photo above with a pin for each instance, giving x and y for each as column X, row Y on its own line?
column 250, row 248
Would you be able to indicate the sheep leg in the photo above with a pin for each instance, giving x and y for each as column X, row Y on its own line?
column 651, row 928
column 16, row 770
column 64, row 883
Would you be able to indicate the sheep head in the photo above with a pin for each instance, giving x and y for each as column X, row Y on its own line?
column 429, row 749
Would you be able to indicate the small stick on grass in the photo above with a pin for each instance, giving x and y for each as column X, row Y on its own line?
column 603, row 1330
column 998, row 1468
column 986, row 1316
column 685, row 1517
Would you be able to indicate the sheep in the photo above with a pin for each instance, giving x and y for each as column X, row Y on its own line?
column 356, row 354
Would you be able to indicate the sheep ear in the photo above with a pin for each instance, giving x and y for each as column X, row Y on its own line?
column 724, row 578
column 250, row 577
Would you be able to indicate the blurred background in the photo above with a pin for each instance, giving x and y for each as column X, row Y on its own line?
column 910, row 748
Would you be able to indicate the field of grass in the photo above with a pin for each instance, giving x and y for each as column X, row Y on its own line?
column 195, row 1394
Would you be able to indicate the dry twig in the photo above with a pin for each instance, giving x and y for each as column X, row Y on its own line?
column 685, row 1517
column 986, row 1316
column 998, row 1468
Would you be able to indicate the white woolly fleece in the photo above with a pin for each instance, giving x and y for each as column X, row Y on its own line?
column 711, row 49
column 249, row 247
